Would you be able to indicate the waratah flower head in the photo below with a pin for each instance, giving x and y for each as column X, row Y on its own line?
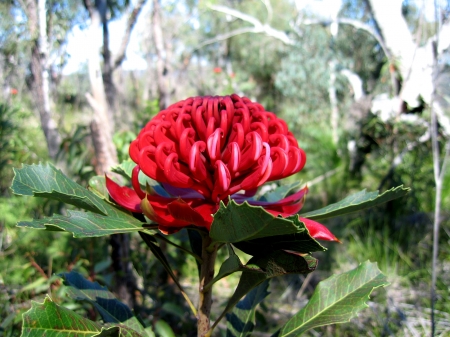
column 217, row 146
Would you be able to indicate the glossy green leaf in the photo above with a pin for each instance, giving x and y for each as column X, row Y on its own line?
column 49, row 182
column 241, row 320
column 300, row 242
column 336, row 300
column 46, row 181
column 235, row 223
column 87, row 224
column 356, row 202
column 51, row 320
column 109, row 307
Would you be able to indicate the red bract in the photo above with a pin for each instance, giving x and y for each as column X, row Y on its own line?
column 205, row 149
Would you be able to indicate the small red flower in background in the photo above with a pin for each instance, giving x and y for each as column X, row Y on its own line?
column 14, row 91
column 205, row 149
column 217, row 70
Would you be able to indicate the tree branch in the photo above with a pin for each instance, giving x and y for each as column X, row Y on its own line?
column 126, row 38
column 258, row 27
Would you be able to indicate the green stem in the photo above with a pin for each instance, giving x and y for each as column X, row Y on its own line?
column 205, row 298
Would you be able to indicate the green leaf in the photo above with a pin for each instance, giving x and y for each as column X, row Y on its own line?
column 51, row 320
column 300, row 242
column 97, row 185
column 241, row 321
column 336, row 300
column 356, row 202
column 125, row 168
column 49, row 182
column 163, row 329
column 281, row 192
column 109, row 307
column 272, row 264
column 230, row 266
column 87, row 224
column 151, row 243
column 235, row 223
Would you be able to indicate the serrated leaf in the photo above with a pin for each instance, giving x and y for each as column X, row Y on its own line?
column 300, row 242
column 109, row 307
column 241, row 321
column 87, row 224
column 242, row 222
column 272, row 264
column 51, row 320
column 49, row 182
column 356, row 202
column 336, row 300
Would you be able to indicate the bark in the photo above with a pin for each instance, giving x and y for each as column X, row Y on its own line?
column 162, row 66
column 101, row 131
column 40, row 86
column 107, row 71
column 206, row 276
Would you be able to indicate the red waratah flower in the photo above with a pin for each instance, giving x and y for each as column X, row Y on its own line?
column 203, row 150
column 217, row 70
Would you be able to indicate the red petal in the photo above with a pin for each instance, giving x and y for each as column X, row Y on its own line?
column 124, row 196
column 183, row 212
column 318, row 231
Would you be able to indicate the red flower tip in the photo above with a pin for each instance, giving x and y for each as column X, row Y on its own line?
column 217, row 70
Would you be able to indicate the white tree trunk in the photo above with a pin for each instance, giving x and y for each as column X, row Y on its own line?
column 100, row 125
column 37, row 22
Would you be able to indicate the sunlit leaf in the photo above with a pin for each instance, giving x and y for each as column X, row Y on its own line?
column 52, row 320
column 357, row 202
column 49, row 182
column 101, row 219
column 336, row 300
column 235, row 223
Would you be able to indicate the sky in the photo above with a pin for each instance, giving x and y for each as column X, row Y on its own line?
column 77, row 41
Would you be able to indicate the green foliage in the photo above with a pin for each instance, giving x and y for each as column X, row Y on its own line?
column 101, row 219
column 357, row 202
column 56, row 320
column 110, row 309
column 336, row 300
column 241, row 320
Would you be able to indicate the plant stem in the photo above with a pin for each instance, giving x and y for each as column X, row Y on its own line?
column 206, row 275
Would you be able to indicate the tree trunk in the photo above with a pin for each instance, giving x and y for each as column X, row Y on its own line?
column 107, row 71
column 162, row 66
column 101, row 130
column 40, row 86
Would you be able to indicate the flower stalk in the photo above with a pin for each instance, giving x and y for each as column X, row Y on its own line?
column 206, row 276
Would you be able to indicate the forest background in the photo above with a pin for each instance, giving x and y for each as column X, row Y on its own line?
column 358, row 82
